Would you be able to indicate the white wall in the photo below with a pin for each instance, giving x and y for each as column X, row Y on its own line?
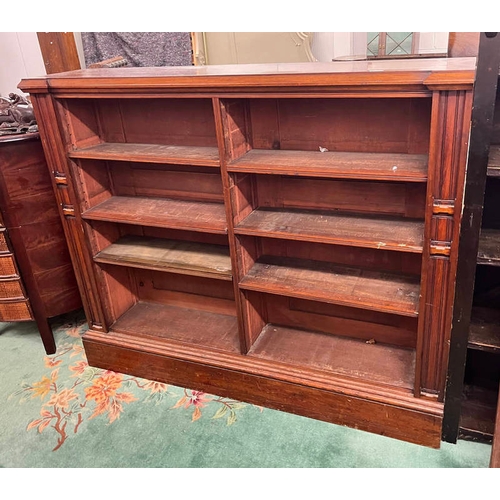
column 433, row 42
column 20, row 57
column 345, row 45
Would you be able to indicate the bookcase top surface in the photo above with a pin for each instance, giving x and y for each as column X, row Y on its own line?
column 405, row 72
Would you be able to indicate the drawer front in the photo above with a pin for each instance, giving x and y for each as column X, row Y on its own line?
column 7, row 265
column 15, row 311
column 3, row 241
column 11, row 289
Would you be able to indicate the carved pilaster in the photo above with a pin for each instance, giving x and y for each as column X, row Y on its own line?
column 447, row 163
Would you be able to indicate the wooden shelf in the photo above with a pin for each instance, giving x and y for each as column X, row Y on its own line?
column 484, row 330
column 340, row 355
column 161, row 212
column 180, row 257
column 150, row 153
column 489, row 247
column 189, row 326
column 339, row 165
column 352, row 287
column 477, row 416
column 494, row 161
column 388, row 233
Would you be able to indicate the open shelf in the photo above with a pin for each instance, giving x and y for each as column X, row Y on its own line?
column 340, row 165
column 389, row 233
column 161, row 212
column 340, row 355
column 334, row 284
column 150, row 153
column 181, row 257
column 484, row 330
column 494, row 161
column 489, row 247
column 477, row 416
column 189, row 326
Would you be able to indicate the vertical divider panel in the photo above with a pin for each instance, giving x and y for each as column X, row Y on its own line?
column 234, row 140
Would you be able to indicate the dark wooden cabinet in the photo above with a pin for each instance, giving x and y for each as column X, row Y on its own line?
column 37, row 281
column 474, row 373
column 285, row 235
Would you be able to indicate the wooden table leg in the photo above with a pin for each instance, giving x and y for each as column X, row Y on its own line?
column 47, row 335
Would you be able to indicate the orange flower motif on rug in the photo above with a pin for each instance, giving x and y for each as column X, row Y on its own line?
column 73, row 392
column 104, row 393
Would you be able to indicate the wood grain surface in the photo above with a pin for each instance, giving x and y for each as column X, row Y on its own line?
column 150, row 153
column 197, row 259
column 321, row 226
column 336, row 165
column 161, row 212
column 353, row 287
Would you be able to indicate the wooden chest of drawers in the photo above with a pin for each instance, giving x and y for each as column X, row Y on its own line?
column 37, row 280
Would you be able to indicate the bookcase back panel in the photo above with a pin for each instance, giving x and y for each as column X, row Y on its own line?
column 100, row 180
column 185, row 122
column 139, row 179
column 403, row 199
column 108, row 232
column 182, row 122
column 377, row 259
column 342, row 321
column 173, row 234
column 356, row 125
column 191, row 292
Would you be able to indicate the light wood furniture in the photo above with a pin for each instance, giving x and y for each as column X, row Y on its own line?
column 282, row 234
column 37, row 281
column 59, row 51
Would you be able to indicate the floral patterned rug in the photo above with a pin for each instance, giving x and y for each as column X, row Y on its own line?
column 57, row 411
column 71, row 392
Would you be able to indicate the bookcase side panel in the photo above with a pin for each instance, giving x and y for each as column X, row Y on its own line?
column 50, row 123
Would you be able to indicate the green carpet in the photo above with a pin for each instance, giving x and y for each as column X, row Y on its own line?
column 56, row 411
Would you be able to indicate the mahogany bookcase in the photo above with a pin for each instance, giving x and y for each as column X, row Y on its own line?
column 283, row 234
